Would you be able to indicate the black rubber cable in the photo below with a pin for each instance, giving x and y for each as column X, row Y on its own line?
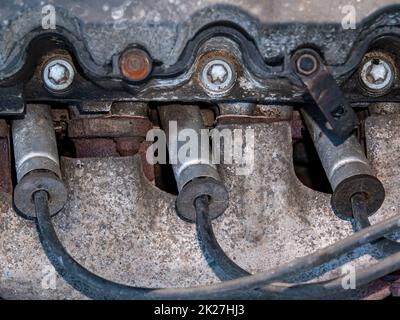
column 87, row 282
column 359, row 206
column 80, row 277
column 223, row 266
column 229, row 269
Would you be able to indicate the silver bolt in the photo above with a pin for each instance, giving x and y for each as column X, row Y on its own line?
column 218, row 73
column 377, row 74
column 58, row 75
column 217, row 76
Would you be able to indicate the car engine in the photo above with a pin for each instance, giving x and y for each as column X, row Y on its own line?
column 199, row 149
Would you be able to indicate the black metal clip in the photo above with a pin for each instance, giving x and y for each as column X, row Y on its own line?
column 325, row 91
column 12, row 100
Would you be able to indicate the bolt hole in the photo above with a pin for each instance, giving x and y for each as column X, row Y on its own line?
column 338, row 112
column 376, row 61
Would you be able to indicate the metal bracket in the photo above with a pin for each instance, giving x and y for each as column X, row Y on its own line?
column 325, row 92
column 12, row 100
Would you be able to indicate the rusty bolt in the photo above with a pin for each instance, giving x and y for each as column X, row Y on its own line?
column 58, row 75
column 217, row 76
column 135, row 64
column 377, row 74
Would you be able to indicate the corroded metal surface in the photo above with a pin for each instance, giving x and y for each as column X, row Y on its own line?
column 109, row 136
column 163, row 27
column 120, row 226
column 111, row 126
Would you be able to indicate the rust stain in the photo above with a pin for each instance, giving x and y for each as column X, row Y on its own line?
column 135, row 64
column 5, row 159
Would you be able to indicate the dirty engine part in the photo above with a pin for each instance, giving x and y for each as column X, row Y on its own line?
column 199, row 150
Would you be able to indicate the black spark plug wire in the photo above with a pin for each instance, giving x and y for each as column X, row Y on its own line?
column 228, row 269
column 97, row 287
column 358, row 201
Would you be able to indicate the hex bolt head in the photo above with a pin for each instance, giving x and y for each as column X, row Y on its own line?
column 217, row 73
column 58, row 75
column 377, row 75
column 217, row 76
